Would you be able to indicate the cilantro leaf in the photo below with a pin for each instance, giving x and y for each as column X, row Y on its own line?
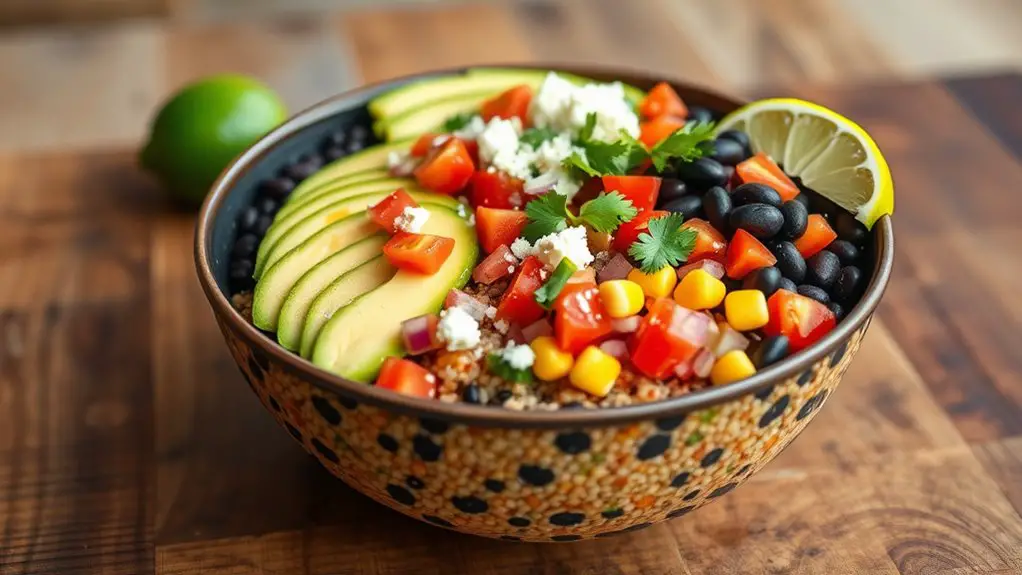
column 586, row 133
column 547, row 214
column 606, row 212
column 457, row 122
column 535, row 136
column 549, row 291
column 665, row 243
column 606, row 158
column 501, row 368
column 691, row 141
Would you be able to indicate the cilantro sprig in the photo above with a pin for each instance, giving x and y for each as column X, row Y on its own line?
column 549, row 214
column 499, row 366
column 549, row 291
column 691, row 142
column 457, row 122
column 665, row 243
column 535, row 137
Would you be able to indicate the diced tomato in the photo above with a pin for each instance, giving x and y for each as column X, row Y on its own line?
column 629, row 231
column 406, row 377
column 744, row 254
column 384, row 212
column 641, row 190
column 496, row 190
column 652, row 131
column 518, row 305
column 668, row 335
column 425, row 143
column 497, row 228
column 761, row 169
column 513, row 103
column 817, row 236
column 803, row 320
column 579, row 317
column 710, row 243
column 420, row 253
column 446, row 169
column 498, row 264
column 662, row 100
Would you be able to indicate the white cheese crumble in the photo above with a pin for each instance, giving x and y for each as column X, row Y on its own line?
column 472, row 129
column 411, row 219
column 501, row 325
column 521, row 248
column 491, row 312
column 569, row 243
column 457, row 329
column 396, row 158
column 498, row 146
column 518, row 356
column 561, row 105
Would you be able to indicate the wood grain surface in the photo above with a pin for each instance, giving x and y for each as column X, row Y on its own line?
column 129, row 443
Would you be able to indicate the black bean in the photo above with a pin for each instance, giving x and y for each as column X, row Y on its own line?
column 671, row 188
column 241, row 269
column 849, row 229
column 359, row 133
column 503, row 395
column 848, row 283
column 690, row 206
column 471, row 393
column 814, row 292
column 277, row 188
column 796, row 218
column 303, row 168
column 761, row 220
column 334, row 153
column 731, row 284
column 766, row 280
column 821, row 205
column 702, row 174
column 787, row 284
column 844, row 250
column 790, row 261
column 337, row 138
column 717, row 207
column 245, row 246
column 770, row 351
column 803, row 198
column 699, row 114
column 268, row 206
column 754, row 193
column 729, row 173
column 262, row 225
column 728, row 152
column 837, row 310
column 354, row 146
column 736, row 136
column 822, row 269
column 247, row 219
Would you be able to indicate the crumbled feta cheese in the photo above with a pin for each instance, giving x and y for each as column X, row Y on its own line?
column 461, row 210
column 510, row 269
column 472, row 129
column 430, row 378
column 491, row 312
column 500, row 326
column 509, row 258
column 396, row 158
column 472, row 220
column 498, row 146
column 518, row 356
column 561, row 105
column 457, row 329
column 521, row 248
column 569, row 243
column 411, row 219
column 440, row 140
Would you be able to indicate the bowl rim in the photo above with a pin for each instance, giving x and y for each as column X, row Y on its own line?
column 490, row 416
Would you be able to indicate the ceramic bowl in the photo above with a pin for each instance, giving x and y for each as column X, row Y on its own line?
column 531, row 476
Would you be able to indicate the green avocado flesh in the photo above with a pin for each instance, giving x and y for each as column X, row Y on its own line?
column 429, row 117
column 341, row 190
column 291, row 321
column 370, row 175
column 359, row 336
column 370, row 158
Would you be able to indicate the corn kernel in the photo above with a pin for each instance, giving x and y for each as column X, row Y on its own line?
column 621, row 298
column 551, row 362
column 746, row 309
column 595, row 371
column 657, row 284
column 699, row 290
column 732, row 366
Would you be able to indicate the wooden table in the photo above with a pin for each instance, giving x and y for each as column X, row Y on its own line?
column 129, row 443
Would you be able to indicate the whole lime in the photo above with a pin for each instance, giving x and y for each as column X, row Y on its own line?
column 205, row 126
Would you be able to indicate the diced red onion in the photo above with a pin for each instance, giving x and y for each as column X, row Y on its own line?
column 405, row 167
column 541, row 184
column 471, row 306
column 616, row 269
column 730, row 339
column 419, row 334
column 626, row 324
column 515, row 334
column 712, row 267
column 536, row 329
column 683, row 370
column 702, row 363
column 615, row 348
column 690, row 326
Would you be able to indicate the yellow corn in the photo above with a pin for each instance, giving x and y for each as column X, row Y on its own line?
column 656, row 284
column 699, row 290
column 746, row 309
column 595, row 371
column 731, row 366
column 551, row 362
column 621, row 298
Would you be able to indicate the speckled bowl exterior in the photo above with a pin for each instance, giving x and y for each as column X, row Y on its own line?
column 530, row 476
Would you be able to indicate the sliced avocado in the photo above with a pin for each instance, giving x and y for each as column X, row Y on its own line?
column 291, row 321
column 429, row 116
column 295, row 205
column 414, row 95
column 634, row 94
column 328, row 211
column 372, row 157
column 369, row 175
column 355, row 341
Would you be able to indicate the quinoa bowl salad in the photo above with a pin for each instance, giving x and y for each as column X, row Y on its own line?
column 630, row 271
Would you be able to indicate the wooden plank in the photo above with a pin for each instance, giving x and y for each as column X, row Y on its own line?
column 1003, row 461
column 992, row 100
column 27, row 12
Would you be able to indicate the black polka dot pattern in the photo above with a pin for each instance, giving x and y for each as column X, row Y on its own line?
column 612, row 513
column 261, row 360
column 254, row 368
column 681, row 511
column 535, row 475
column 805, row 378
column 636, row 527
column 325, row 451
column 745, row 469
column 274, row 404
column 414, row 482
column 839, row 353
column 712, row 457
column 669, row 423
column 494, row 485
column 810, row 406
column 563, row 538
column 654, row 446
column 426, row 448
column 434, row 426
column 691, row 495
column 567, row 518
column 347, row 402
column 775, row 411
column 680, row 479
column 573, row 442
column 765, row 392
column 471, row 504
column 519, row 522
column 387, row 442
column 400, row 494
column 326, row 411
column 437, row 520
column 724, row 490
column 293, row 431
